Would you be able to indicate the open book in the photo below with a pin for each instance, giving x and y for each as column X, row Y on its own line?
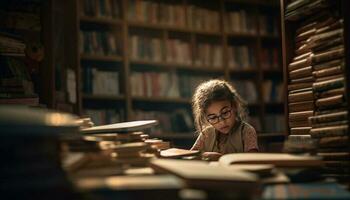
column 123, row 127
column 199, row 174
column 177, row 153
column 276, row 159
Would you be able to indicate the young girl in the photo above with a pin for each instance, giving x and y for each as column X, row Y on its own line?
column 219, row 114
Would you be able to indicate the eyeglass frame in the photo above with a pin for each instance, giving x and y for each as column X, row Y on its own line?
column 220, row 116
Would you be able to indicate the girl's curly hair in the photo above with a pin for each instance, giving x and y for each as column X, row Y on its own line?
column 211, row 91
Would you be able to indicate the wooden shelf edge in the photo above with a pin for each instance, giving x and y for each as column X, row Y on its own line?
column 161, row 99
column 103, row 97
column 136, row 24
column 179, row 66
column 101, row 57
column 100, row 20
column 247, row 70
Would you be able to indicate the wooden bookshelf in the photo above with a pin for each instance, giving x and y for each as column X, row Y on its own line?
column 126, row 65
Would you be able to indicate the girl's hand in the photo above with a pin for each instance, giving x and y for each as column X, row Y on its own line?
column 211, row 156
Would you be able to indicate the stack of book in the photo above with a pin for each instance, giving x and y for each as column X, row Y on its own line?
column 11, row 45
column 300, row 93
column 31, row 146
column 329, row 122
column 123, row 142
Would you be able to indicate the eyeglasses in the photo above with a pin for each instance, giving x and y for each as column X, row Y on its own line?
column 214, row 119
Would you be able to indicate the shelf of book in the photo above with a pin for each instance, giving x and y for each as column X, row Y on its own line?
column 103, row 97
column 248, row 70
column 174, row 65
column 161, row 100
column 100, row 20
column 143, row 36
column 243, row 35
column 106, row 58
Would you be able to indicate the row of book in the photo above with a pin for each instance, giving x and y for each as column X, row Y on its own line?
column 274, row 123
column 177, row 15
column 268, row 25
column 322, row 111
column 11, row 45
column 98, row 43
column 273, row 91
column 240, row 21
column 100, row 82
column 178, row 121
column 209, row 55
column 188, row 84
column 240, row 57
column 156, row 13
column 146, row 48
column 101, row 8
column 202, row 19
column 178, row 51
column 105, row 116
column 153, row 84
column 247, row 89
column 270, row 58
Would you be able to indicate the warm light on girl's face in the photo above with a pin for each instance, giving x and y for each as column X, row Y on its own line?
column 221, row 115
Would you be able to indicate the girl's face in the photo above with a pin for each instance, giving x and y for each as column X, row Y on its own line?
column 221, row 115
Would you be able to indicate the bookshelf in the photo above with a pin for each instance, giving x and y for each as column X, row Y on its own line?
column 180, row 49
column 313, row 106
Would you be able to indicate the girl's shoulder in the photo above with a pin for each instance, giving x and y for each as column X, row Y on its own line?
column 247, row 127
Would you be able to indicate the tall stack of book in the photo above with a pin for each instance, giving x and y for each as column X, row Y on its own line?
column 300, row 93
column 329, row 121
column 31, row 147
